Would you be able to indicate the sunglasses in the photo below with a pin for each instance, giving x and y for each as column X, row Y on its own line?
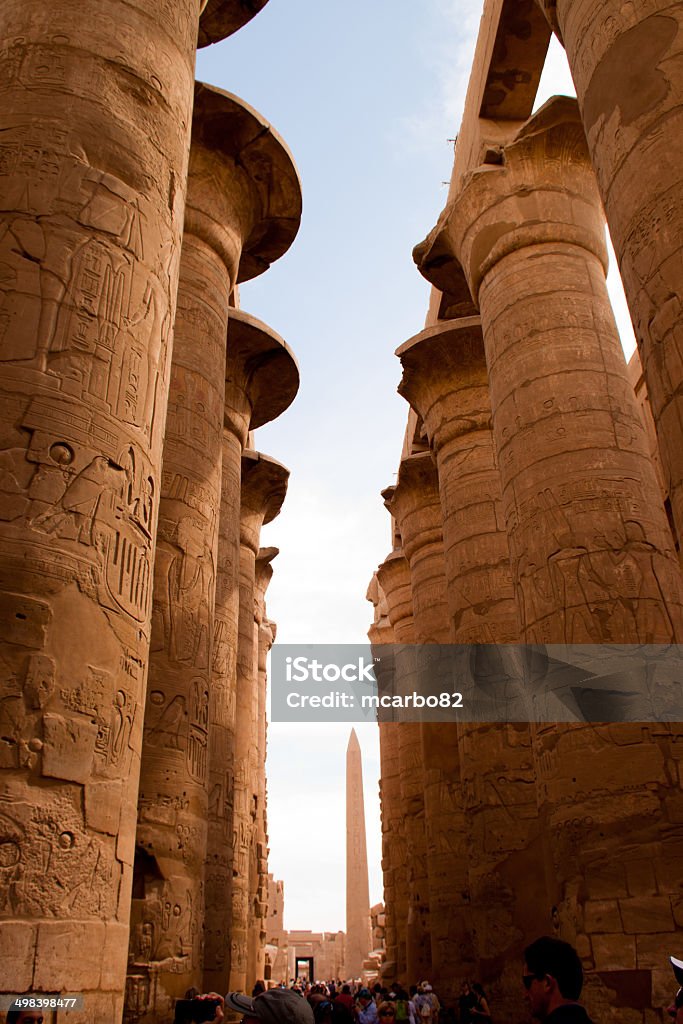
column 529, row 979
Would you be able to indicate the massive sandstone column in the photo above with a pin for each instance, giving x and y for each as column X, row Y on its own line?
column 416, row 505
column 393, row 577
column 231, row 221
column 258, row 878
column 261, row 380
column 590, row 546
column 97, row 99
column 263, row 488
column 627, row 64
column 446, row 382
column 591, row 550
column 358, row 933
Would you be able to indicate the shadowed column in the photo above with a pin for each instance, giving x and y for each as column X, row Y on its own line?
column 261, row 380
column 263, row 489
column 627, row 64
column 96, row 100
column 445, row 381
column 393, row 576
column 231, row 222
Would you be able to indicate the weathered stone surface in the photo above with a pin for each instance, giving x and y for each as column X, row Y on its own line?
column 626, row 66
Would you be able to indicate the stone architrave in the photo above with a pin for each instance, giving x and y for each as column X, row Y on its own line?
column 358, row 930
column 393, row 577
column 626, row 60
column 97, row 100
column 579, row 490
column 446, row 382
column 258, row 880
column 416, row 505
column 229, row 198
column 590, row 546
column 261, row 380
column 263, row 488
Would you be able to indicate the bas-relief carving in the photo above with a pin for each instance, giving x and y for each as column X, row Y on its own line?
column 81, row 271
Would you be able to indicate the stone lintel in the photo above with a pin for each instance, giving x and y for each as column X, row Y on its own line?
column 220, row 18
column 262, row 366
column 264, row 486
column 519, row 53
column 226, row 125
column 433, row 360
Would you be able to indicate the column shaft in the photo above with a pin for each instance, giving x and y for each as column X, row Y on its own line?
column 627, row 64
column 96, row 102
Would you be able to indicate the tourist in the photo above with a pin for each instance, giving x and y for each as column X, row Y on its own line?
column 466, row 1002
column 386, row 1012
column 480, row 1012
column 675, row 1011
column 345, row 998
column 402, row 1005
column 366, row 1008
column 274, row 1006
column 193, row 995
column 26, row 1017
column 553, row 979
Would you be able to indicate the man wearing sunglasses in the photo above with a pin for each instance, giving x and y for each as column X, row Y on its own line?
column 675, row 1011
column 553, row 979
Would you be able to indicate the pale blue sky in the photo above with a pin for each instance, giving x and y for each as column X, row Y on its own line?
column 366, row 93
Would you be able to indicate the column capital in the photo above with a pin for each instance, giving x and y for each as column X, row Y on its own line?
column 415, row 504
column 264, row 486
column 241, row 174
column 438, row 363
column 261, row 374
column 220, row 18
column 543, row 192
column 393, row 576
column 264, row 572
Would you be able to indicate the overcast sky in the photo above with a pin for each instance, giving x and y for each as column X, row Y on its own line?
column 367, row 94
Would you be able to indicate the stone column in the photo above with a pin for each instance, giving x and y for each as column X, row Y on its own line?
column 261, row 380
column 258, row 881
column 264, row 484
column 97, row 99
column 445, row 380
column 627, row 64
column 590, row 546
column 393, row 577
column 227, row 199
column 591, row 550
column 415, row 504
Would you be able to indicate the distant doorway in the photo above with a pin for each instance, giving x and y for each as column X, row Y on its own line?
column 304, row 968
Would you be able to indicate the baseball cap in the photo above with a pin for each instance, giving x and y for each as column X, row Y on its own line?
column 678, row 969
column 276, row 1006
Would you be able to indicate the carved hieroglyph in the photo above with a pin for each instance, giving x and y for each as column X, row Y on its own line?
column 577, row 480
column 96, row 101
column 627, row 66
column 358, row 933
column 263, row 488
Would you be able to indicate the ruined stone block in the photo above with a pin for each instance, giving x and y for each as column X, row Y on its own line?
column 602, row 916
column 614, row 952
column 84, row 941
column 647, row 914
column 17, row 949
column 103, row 806
column 68, row 747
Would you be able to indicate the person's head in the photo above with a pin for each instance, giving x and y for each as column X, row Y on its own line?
column 476, row 987
column 386, row 1012
column 552, row 975
column 25, row 1017
column 675, row 1011
column 364, row 996
column 275, row 1006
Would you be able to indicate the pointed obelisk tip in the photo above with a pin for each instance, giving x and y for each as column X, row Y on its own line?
column 353, row 741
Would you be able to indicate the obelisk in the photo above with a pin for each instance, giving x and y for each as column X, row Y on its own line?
column 358, row 934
